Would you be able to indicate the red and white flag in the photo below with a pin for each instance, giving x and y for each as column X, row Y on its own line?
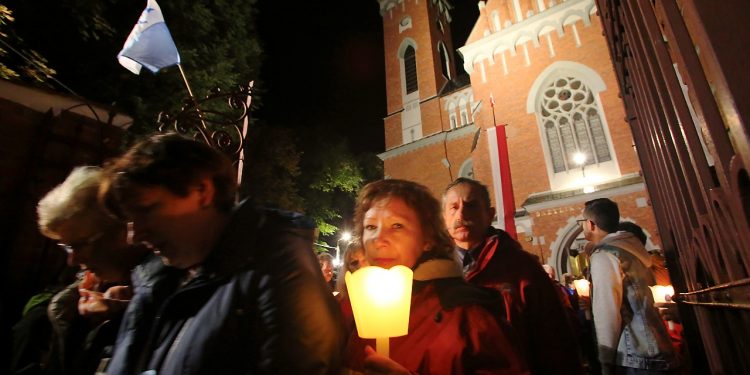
column 502, row 186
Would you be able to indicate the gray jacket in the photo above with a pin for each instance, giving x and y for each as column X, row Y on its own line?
column 629, row 330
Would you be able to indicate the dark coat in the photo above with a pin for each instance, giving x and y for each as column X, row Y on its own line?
column 60, row 341
column 259, row 305
column 451, row 330
column 532, row 304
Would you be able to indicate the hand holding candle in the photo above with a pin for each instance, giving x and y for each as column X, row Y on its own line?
column 583, row 289
column 381, row 300
column 662, row 297
column 662, row 293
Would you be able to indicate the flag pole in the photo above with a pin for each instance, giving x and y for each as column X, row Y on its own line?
column 501, row 172
column 492, row 105
column 184, row 79
column 203, row 129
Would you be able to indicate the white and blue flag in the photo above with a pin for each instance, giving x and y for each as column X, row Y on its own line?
column 150, row 44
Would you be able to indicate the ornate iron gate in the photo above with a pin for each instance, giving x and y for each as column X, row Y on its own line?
column 683, row 75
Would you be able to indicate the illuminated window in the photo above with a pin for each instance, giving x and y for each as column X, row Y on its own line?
column 571, row 123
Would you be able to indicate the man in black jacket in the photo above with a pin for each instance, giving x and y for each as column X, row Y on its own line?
column 250, row 297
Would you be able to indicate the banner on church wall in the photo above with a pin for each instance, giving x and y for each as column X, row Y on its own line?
column 502, row 186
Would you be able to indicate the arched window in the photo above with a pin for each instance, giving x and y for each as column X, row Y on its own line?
column 571, row 124
column 444, row 61
column 452, row 115
column 464, row 116
column 411, row 116
column 410, row 69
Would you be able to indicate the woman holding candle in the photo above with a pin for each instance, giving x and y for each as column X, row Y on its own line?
column 451, row 327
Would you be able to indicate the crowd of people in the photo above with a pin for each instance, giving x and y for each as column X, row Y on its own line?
column 177, row 277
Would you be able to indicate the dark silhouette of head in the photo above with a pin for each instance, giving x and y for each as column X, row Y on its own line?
column 629, row 226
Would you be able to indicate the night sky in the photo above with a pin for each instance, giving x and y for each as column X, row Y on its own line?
column 324, row 65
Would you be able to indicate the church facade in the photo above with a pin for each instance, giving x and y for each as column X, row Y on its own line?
column 538, row 118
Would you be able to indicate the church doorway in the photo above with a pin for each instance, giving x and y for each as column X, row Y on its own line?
column 567, row 254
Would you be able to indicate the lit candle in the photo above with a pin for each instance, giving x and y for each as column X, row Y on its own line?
column 582, row 287
column 662, row 293
column 381, row 300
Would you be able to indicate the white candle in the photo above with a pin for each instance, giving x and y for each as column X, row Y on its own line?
column 662, row 293
column 381, row 300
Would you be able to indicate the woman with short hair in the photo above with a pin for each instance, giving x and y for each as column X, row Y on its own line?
column 451, row 327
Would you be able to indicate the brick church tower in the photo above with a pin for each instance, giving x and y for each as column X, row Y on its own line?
column 539, row 72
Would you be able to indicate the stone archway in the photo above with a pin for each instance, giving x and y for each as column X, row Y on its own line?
column 569, row 236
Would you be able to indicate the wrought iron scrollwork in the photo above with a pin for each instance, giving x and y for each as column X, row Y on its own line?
column 219, row 119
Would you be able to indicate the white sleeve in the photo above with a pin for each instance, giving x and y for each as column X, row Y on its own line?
column 606, row 279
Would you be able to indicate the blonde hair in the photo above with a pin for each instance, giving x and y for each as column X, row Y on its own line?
column 74, row 199
column 355, row 246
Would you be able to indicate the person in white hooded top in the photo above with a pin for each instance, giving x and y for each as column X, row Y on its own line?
column 630, row 334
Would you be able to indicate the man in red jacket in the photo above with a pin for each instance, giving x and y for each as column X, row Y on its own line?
column 491, row 258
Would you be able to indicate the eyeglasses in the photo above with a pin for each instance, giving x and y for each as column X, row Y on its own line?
column 579, row 221
column 70, row 248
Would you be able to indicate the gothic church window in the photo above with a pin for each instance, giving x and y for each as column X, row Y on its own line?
column 571, row 123
column 410, row 70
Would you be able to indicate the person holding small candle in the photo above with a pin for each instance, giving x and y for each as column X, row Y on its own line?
column 667, row 308
column 85, row 316
column 452, row 329
column 630, row 334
